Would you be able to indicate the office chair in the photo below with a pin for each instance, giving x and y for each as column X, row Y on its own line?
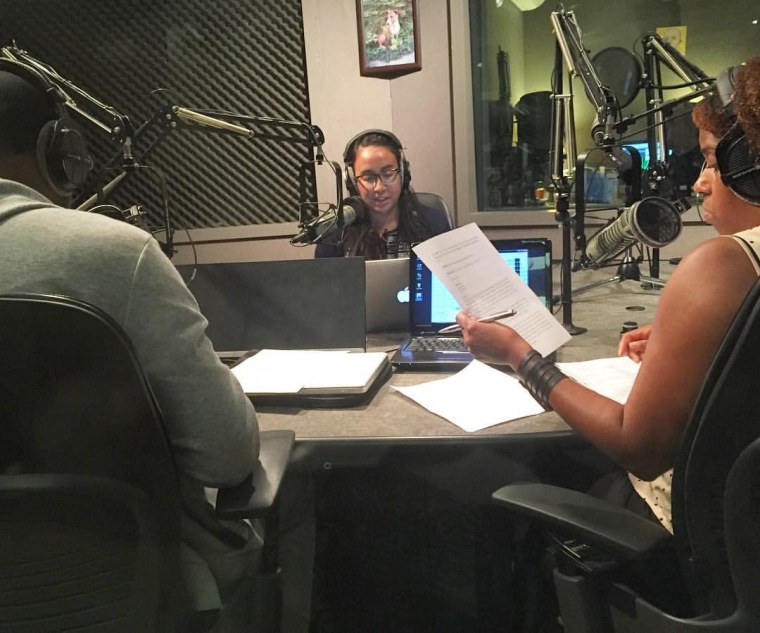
column 533, row 113
column 608, row 554
column 89, row 501
column 434, row 201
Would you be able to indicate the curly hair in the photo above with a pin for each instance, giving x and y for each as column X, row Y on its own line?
column 710, row 114
column 747, row 101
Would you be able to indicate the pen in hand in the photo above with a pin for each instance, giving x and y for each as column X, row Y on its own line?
column 450, row 329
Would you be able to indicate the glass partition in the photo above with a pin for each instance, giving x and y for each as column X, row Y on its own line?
column 514, row 61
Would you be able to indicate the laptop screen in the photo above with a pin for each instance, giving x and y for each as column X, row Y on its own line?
column 285, row 304
column 432, row 306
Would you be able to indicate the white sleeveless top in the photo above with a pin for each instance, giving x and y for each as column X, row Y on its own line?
column 657, row 492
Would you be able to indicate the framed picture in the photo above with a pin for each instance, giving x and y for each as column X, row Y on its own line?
column 389, row 43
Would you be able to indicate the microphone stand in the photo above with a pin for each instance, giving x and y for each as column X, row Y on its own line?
column 248, row 126
column 658, row 51
column 119, row 128
column 609, row 124
column 104, row 118
column 264, row 128
column 563, row 129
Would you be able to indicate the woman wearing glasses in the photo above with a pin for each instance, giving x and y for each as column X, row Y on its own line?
column 377, row 171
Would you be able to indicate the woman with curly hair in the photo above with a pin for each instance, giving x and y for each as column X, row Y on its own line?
column 377, row 172
column 696, row 307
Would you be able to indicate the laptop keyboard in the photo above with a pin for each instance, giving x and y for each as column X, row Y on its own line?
column 436, row 344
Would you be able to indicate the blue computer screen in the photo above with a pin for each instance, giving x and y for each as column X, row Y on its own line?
column 443, row 306
column 643, row 150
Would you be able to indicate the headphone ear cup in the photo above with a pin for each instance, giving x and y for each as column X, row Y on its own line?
column 74, row 155
column 63, row 157
column 739, row 169
column 44, row 150
column 351, row 181
column 406, row 175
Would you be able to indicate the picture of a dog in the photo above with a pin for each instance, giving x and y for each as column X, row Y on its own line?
column 388, row 35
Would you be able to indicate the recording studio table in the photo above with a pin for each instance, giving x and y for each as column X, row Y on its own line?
column 392, row 419
column 407, row 539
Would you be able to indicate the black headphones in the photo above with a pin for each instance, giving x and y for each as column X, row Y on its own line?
column 62, row 154
column 349, row 155
column 739, row 168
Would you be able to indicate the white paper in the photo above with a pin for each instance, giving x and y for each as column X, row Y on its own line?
column 290, row 371
column 611, row 377
column 483, row 283
column 475, row 398
column 480, row 396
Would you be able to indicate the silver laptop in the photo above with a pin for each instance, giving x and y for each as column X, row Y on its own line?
column 387, row 295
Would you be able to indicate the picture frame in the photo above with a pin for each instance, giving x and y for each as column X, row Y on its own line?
column 389, row 38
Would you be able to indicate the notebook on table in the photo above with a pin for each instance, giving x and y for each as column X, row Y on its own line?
column 432, row 307
column 387, row 294
column 312, row 378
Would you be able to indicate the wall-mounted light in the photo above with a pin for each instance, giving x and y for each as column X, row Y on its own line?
column 527, row 5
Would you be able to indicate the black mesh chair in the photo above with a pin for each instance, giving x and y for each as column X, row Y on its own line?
column 616, row 568
column 89, row 502
column 434, row 201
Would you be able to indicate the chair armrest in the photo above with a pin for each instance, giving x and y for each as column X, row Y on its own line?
column 255, row 496
column 604, row 526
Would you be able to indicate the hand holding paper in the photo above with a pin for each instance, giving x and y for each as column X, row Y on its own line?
column 483, row 283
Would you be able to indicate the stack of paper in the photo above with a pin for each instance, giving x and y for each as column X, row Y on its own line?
column 309, row 371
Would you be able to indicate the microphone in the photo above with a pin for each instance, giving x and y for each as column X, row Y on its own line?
column 653, row 221
column 351, row 210
column 208, row 121
column 603, row 126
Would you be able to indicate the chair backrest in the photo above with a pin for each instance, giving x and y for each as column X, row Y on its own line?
column 434, row 201
column 89, row 503
column 724, row 422
column 533, row 112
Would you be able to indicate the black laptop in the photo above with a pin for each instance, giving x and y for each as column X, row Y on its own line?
column 290, row 304
column 432, row 307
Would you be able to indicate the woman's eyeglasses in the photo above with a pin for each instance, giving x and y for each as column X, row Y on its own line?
column 387, row 177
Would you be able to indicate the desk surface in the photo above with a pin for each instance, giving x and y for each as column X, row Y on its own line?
column 602, row 310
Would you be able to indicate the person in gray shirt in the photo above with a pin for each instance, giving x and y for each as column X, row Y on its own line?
column 47, row 248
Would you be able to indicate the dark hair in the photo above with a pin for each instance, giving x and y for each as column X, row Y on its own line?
column 412, row 227
column 712, row 115
column 24, row 110
column 375, row 139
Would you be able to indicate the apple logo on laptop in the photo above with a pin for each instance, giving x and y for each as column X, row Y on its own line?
column 402, row 296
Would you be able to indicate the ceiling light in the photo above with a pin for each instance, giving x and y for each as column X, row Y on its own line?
column 527, row 5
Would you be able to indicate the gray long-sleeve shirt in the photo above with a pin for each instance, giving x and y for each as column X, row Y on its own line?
column 211, row 425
